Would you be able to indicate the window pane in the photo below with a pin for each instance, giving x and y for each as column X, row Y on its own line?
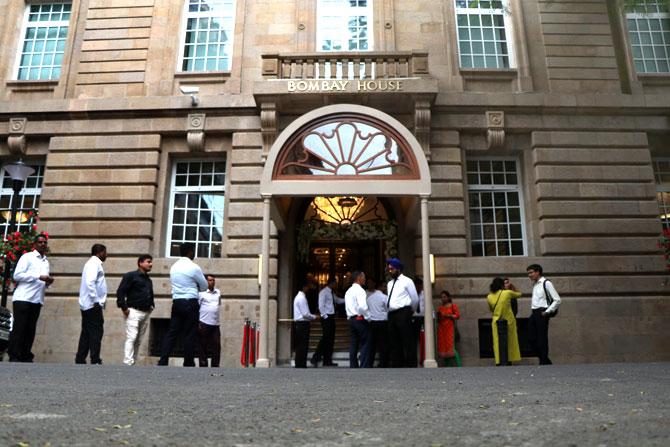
column 649, row 38
column 199, row 204
column 494, row 208
column 343, row 25
column 29, row 198
column 45, row 33
column 209, row 25
column 482, row 26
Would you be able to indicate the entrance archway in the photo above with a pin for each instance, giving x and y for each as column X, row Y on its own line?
column 343, row 150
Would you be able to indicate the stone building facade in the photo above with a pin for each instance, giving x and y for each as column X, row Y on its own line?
column 513, row 132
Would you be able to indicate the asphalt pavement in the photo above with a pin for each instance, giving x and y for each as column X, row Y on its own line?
column 559, row 405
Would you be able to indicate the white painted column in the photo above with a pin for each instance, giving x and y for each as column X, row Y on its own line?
column 263, row 360
column 429, row 332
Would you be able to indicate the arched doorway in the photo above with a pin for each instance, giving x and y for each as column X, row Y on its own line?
column 342, row 152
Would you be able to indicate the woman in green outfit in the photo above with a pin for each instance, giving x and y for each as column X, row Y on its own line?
column 505, row 340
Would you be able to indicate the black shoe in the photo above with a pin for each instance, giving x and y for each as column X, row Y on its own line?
column 331, row 364
column 314, row 362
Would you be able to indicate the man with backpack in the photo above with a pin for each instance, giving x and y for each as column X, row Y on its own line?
column 544, row 305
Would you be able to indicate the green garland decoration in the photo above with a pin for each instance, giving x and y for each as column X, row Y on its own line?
column 315, row 230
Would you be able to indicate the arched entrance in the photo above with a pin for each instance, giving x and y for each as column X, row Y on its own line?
column 343, row 151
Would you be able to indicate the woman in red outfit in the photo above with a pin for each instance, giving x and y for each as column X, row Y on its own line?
column 447, row 314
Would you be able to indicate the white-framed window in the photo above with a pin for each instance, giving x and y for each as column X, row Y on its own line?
column 207, row 35
column 649, row 34
column 344, row 25
column 29, row 198
column 484, row 32
column 43, row 38
column 662, row 177
column 496, row 207
column 197, row 197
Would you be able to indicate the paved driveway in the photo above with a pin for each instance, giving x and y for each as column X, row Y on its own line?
column 582, row 405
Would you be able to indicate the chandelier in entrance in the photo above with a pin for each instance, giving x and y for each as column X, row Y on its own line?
column 346, row 210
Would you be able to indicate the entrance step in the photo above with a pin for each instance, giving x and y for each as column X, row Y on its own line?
column 341, row 335
column 341, row 345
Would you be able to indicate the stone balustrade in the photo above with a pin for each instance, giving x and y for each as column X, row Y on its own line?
column 369, row 65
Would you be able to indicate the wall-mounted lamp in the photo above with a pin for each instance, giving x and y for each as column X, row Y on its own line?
column 432, row 269
column 260, row 268
column 192, row 91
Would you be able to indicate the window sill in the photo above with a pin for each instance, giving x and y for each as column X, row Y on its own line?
column 32, row 86
column 489, row 74
column 654, row 78
column 203, row 77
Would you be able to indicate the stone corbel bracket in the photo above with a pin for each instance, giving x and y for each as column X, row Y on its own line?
column 195, row 132
column 422, row 117
column 17, row 136
column 495, row 132
column 268, row 126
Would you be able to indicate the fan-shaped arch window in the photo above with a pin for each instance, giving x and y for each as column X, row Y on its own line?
column 346, row 146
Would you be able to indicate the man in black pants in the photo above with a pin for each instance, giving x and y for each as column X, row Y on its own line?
column 538, row 324
column 32, row 277
column 402, row 293
column 92, row 299
column 327, row 301
column 302, row 318
column 358, row 314
column 187, row 282
column 377, row 304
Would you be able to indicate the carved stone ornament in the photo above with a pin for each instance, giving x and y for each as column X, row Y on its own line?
column 268, row 126
column 422, row 116
column 195, row 135
column 495, row 133
column 17, row 138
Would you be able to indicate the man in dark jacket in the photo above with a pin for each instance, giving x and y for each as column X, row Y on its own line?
column 135, row 298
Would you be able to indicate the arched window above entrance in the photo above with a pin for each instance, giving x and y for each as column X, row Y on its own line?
column 346, row 146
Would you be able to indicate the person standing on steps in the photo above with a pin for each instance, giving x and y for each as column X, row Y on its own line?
column 327, row 301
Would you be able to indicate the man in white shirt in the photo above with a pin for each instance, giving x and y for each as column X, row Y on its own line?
column 302, row 318
column 401, row 298
column 32, row 278
column 541, row 311
column 187, row 282
column 92, row 299
column 209, row 331
column 358, row 314
column 327, row 301
column 379, row 334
